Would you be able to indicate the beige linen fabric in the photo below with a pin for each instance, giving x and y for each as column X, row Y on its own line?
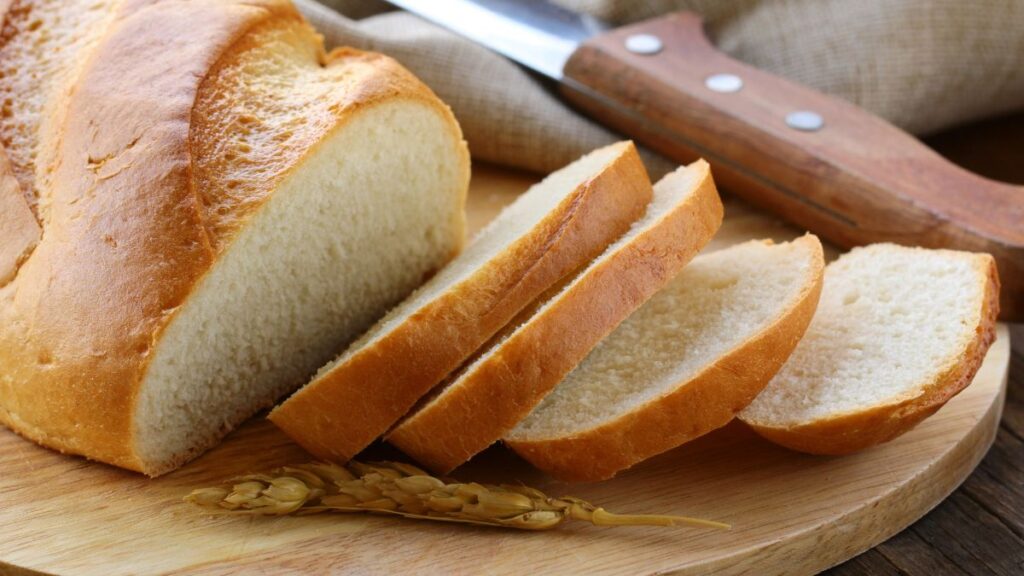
column 924, row 65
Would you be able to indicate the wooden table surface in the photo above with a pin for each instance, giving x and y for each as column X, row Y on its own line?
column 979, row 529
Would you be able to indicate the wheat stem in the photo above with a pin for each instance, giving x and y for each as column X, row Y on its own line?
column 405, row 490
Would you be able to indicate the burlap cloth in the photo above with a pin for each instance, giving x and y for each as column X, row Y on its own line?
column 924, row 65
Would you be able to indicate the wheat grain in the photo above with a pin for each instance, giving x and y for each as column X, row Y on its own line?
column 405, row 490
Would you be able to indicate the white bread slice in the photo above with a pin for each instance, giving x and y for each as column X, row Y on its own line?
column 223, row 206
column 681, row 366
column 550, row 231
column 489, row 396
column 898, row 332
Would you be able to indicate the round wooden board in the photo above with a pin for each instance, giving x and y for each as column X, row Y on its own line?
column 791, row 513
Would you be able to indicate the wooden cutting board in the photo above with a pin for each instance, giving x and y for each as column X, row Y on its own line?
column 791, row 513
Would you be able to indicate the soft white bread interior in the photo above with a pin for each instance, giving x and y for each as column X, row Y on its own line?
column 682, row 365
column 898, row 332
column 485, row 399
column 358, row 225
column 223, row 206
column 550, row 231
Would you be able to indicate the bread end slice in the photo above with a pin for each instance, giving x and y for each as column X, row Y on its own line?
column 683, row 365
column 899, row 332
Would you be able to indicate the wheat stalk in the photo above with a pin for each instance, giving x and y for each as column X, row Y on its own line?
column 405, row 490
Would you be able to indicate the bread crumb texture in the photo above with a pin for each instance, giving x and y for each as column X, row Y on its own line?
column 891, row 320
column 716, row 303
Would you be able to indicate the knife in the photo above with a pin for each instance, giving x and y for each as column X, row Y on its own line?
column 820, row 162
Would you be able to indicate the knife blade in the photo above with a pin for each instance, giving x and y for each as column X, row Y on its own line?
column 534, row 33
column 820, row 162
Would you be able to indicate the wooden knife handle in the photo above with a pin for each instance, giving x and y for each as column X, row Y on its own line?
column 856, row 180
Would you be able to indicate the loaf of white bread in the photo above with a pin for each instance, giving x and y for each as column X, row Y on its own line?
column 198, row 208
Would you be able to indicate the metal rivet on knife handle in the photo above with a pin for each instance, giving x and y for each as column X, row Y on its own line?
column 724, row 83
column 644, row 44
column 805, row 120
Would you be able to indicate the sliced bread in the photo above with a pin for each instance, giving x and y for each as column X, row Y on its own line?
column 898, row 332
column 553, row 229
column 682, row 365
column 489, row 396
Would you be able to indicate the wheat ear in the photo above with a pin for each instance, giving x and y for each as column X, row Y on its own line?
column 405, row 490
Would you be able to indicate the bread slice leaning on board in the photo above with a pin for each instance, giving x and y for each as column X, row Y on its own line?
column 486, row 398
column 681, row 366
column 547, row 233
column 899, row 331
column 211, row 207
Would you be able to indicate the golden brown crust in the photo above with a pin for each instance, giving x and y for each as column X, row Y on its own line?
column 490, row 399
column 851, row 432
column 18, row 226
column 126, row 243
column 345, row 409
column 709, row 400
column 86, row 306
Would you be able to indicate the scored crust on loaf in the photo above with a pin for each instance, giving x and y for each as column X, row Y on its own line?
column 899, row 331
column 232, row 205
column 681, row 366
column 40, row 49
column 550, row 231
column 489, row 396
column 45, row 44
